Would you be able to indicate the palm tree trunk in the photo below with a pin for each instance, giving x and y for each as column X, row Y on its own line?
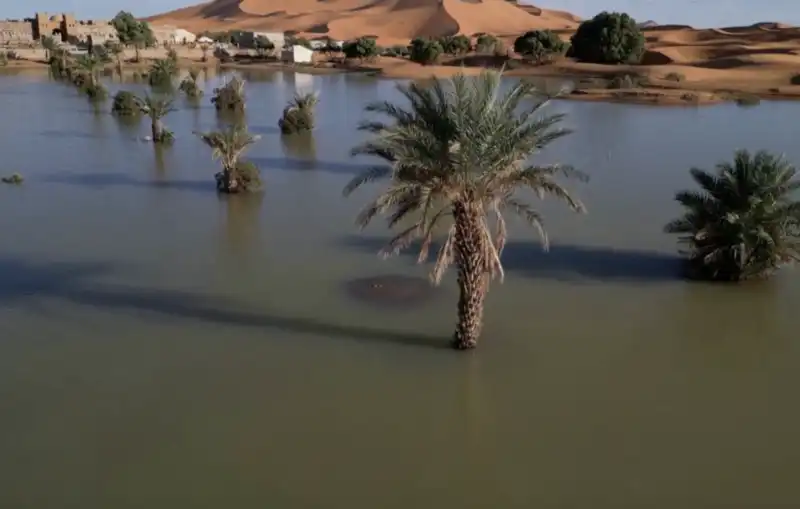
column 472, row 276
column 157, row 128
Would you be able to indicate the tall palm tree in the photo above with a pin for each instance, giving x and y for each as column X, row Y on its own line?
column 458, row 153
column 743, row 222
column 158, row 107
column 228, row 146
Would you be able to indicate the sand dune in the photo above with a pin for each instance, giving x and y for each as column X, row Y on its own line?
column 392, row 21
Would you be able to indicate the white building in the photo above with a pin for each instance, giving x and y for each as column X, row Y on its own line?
column 205, row 40
column 297, row 55
column 182, row 36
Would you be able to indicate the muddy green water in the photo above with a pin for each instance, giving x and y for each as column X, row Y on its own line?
column 161, row 347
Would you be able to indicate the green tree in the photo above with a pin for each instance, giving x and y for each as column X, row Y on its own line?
column 129, row 29
column 539, row 45
column 457, row 154
column 425, row 51
column 299, row 114
column 117, row 51
column 455, row 44
column 158, row 107
column 608, row 38
column 743, row 222
column 228, row 146
column 363, row 48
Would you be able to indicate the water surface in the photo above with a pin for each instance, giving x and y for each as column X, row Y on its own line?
column 164, row 347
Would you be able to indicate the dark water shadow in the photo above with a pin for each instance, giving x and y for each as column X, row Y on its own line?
column 99, row 181
column 564, row 262
column 301, row 147
column 264, row 130
column 71, row 282
column 296, row 164
column 67, row 134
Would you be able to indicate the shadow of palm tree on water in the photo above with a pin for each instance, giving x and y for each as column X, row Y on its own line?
column 564, row 262
column 25, row 281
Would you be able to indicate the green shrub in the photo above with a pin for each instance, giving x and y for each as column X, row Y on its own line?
column 95, row 92
column 455, row 44
column 608, row 38
column 744, row 99
column 487, row 43
column 425, row 51
column 627, row 81
column 161, row 72
column 126, row 104
column 397, row 51
column 539, row 45
column 362, row 48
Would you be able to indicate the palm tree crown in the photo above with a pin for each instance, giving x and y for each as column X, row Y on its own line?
column 156, row 107
column 230, row 144
column 742, row 223
column 459, row 152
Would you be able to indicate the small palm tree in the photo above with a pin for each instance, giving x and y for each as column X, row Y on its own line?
column 161, row 72
column 743, row 222
column 90, row 65
column 458, row 153
column 158, row 107
column 299, row 114
column 228, row 146
column 230, row 97
column 189, row 85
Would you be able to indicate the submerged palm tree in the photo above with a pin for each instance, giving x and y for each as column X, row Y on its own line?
column 161, row 72
column 228, row 146
column 89, row 65
column 230, row 97
column 459, row 153
column 158, row 107
column 299, row 114
column 189, row 85
column 743, row 222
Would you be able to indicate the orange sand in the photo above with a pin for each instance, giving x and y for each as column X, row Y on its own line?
column 761, row 59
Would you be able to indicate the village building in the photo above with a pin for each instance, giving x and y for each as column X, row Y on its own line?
column 297, row 55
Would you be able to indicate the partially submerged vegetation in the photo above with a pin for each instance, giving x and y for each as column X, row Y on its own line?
column 744, row 221
column 14, row 178
column 189, row 85
column 126, row 104
column 298, row 116
column 230, row 97
column 228, row 146
column 158, row 107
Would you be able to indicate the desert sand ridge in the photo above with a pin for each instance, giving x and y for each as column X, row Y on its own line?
column 390, row 20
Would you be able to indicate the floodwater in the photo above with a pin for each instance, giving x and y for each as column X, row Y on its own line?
column 163, row 347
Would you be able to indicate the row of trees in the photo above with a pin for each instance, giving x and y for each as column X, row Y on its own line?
column 608, row 38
